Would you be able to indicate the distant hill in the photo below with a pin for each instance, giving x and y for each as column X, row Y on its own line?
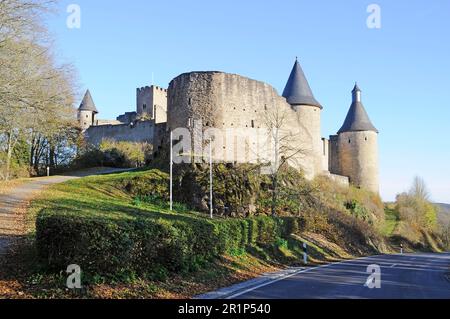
column 444, row 213
column 444, row 206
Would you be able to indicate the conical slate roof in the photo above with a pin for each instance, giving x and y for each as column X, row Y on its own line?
column 88, row 103
column 298, row 91
column 357, row 119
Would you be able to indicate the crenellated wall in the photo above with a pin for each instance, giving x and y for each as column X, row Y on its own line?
column 152, row 100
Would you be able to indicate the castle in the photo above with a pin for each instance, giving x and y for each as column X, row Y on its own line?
column 228, row 101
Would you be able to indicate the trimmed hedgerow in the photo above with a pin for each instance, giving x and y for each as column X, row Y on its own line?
column 109, row 247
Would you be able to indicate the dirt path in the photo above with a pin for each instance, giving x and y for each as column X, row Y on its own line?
column 14, row 201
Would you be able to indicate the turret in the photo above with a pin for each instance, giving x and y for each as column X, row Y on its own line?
column 87, row 112
column 358, row 146
column 299, row 95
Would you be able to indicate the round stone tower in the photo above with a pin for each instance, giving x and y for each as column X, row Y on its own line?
column 358, row 147
column 299, row 95
column 87, row 112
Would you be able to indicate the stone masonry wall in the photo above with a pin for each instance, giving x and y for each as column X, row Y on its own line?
column 152, row 101
column 358, row 159
column 229, row 101
column 142, row 131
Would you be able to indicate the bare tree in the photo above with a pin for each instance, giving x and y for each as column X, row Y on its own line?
column 419, row 189
column 36, row 95
column 284, row 147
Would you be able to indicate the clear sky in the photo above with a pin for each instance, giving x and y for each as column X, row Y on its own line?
column 403, row 68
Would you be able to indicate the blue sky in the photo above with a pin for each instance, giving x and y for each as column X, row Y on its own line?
column 402, row 68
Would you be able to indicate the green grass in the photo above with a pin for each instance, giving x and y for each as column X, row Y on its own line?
column 391, row 222
column 105, row 197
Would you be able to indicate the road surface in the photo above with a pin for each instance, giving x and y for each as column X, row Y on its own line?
column 13, row 202
column 409, row 276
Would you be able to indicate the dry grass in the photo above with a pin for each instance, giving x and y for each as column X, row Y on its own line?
column 7, row 186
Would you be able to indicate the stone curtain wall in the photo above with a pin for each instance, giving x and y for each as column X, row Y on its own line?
column 141, row 132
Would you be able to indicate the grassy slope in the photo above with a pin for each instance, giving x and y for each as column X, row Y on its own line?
column 391, row 222
column 444, row 213
column 413, row 239
column 105, row 196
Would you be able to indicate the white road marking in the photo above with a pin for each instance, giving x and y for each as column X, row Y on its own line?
column 393, row 265
column 291, row 275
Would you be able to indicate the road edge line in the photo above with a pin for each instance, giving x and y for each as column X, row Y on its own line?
column 233, row 296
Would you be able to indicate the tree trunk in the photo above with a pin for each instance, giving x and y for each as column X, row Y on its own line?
column 52, row 156
column 9, row 155
column 274, row 195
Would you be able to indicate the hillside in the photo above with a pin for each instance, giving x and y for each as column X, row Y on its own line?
column 118, row 225
column 444, row 213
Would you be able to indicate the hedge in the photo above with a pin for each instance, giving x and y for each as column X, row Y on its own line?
column 109, row 246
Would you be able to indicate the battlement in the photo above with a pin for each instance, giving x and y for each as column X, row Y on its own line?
column 152, row 102
column 150, row 88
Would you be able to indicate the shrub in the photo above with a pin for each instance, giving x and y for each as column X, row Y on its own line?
column 358, row 211
column 114, row 154
column 151, row 185
column 146, row 246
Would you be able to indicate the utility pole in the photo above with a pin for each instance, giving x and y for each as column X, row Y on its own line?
column 210, row 179
column 171, row 171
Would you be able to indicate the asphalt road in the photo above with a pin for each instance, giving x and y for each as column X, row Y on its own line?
column 409, row 276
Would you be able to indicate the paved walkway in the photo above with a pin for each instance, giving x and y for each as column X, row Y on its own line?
column 14, row 202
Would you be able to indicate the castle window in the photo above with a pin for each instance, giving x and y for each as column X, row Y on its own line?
column 190, row 101
column 253, row 124
column 144, row 107
column 87, row 116
column 349, row 141
column 366, row 139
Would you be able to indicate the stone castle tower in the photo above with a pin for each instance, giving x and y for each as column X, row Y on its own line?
column 299, row 95
column 87, row 112
column 152, row 101
column 355, row 148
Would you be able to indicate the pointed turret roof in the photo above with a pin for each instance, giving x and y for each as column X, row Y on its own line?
column 88, row 103
column 298, row 91
column 357, row 118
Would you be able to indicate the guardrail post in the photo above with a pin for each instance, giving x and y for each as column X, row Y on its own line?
column 305, row 253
